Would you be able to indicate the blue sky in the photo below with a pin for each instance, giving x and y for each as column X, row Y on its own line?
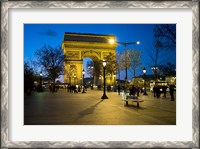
column 38, row 35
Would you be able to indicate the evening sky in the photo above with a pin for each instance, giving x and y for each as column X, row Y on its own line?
column 38, row 35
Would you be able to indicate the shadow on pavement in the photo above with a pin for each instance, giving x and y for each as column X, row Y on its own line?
column 88, row 111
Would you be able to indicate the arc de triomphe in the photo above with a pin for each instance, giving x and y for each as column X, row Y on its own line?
column 77, row 46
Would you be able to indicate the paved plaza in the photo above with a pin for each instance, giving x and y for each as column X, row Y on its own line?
column 63, row 108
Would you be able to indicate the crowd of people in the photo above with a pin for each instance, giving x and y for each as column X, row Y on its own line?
column 53, row 88
column 69, row 88
column 157, row 91
column 134, row 90
column 74, row 88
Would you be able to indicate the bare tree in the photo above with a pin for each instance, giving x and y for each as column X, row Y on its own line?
column 166, row 34
column 111, row 64
column 120, row 64
column 124, row 61
column 134, row 57
column 164, row 42
column 28, row 78
column 168, row 69
column 131, row 60
column 97, row 67
column 94, row 69
column 51, row 59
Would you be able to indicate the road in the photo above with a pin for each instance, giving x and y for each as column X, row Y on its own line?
column 63, row 108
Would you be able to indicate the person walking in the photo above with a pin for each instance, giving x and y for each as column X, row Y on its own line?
column 158, row 91
column 51, row 88
column 118, row 89
column 171, row 91
column 154, row 91
column 138, row 90
column 164, row 89
column 132, row 90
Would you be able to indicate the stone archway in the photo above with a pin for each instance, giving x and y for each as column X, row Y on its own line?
column 77, row 46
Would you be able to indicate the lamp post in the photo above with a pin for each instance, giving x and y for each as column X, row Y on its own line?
column 104, row 81
column 114, row 82
column 112, row 41
column 41, row 78
column 40, row 86
column 74, row 79
column 83, row 91
column 114, row 79
column 144, row 71
column 155, row 69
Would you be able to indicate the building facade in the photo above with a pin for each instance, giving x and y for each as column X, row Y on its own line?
column 77, row 46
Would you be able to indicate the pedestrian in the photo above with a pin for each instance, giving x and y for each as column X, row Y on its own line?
column 79, row 88
column 75, row 89
column 138, row 90
column 66, row 87
column 57, row 88
column 108, row 88
column 51, row 88
column 132, row 90
column 118, row 89
column 154, row 90
column 171, row 91
column 164, row 89
column 70, row 88
column 158, row 91
column 54, row 88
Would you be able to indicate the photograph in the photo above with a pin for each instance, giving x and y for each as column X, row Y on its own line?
column 99, row 74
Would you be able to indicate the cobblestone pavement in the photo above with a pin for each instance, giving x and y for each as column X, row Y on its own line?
column 63, row 108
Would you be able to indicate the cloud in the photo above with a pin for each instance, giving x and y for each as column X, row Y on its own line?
column 49, row 32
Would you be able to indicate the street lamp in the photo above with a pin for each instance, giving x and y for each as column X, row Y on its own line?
column 114, row 78
column 112, row 41
column 40, row 85
column 144, row 71
column 155, row 69
column 114, row 82
column 83, row 82
column 41, row 77
column 104, row 81
column 74, row 79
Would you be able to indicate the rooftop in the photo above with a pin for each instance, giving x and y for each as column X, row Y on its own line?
column 86, row 37
column 88, row 34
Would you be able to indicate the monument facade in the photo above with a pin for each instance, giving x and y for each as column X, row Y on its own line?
column 77, row 46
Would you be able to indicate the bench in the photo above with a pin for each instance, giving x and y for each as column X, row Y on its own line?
column 132, row 99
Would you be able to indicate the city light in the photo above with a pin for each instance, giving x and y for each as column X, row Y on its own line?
column 111, row 41
column 104, row 81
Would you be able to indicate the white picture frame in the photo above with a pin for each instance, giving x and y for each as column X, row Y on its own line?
column 8, row 5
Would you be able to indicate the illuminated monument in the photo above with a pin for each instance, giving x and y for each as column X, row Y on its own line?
column 77, row 46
